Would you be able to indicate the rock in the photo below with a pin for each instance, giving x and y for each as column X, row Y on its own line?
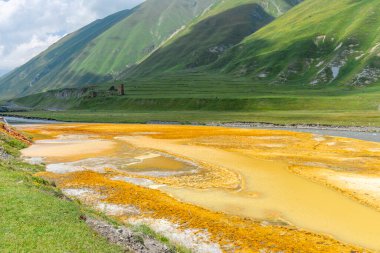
column 128, row 239
column 367, row 76
column 4, row 155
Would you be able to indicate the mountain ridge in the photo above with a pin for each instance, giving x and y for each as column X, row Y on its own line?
column 24, row 77
column 323, row 46
column 98, row 58
column 212, row 34
column 137, row 36
column 304, row 49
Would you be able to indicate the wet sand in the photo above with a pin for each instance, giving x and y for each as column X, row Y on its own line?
column 276, row 176
column 71, row 148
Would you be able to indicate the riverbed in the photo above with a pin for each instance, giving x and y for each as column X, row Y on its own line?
column 273, row 182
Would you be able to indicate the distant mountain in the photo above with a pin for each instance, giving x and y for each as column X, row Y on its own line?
column 99, row 51
column 3, row 72
column 317, row 43
column 52, row 68
column 311, row 61
column 212, row 34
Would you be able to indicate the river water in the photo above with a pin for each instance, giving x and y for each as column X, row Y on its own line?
column 367, row 136
column 275, row 175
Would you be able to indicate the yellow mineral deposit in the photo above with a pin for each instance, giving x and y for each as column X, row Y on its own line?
column 251, row 190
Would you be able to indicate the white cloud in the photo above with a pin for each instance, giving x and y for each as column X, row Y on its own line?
column 27, row 27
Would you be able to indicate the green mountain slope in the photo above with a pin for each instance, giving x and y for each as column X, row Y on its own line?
column 313, row 64
column 317, row 43
column 209, row 36
column 100, row 50
column 137, row 36
column 50, row 69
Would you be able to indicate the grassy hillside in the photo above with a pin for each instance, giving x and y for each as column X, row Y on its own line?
column 206, row 98
column 33, row 217
column 319, row 42
column 99, row 51
column 317, row 63
column 209, row 36
column 51, row 68
column 131, row 40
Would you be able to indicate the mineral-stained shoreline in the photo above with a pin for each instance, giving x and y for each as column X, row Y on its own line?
column 257, row 163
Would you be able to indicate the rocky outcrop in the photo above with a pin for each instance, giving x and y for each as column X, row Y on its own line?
column 367, row 76
column 4, row 155
column 128, row 239
column 4, row 127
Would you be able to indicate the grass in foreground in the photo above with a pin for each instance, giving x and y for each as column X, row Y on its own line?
column 35, row 217
column 32, row 216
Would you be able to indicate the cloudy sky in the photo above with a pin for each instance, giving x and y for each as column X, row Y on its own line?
column 28, row 27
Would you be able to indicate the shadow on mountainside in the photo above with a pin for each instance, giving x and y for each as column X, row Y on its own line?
column 207, row 40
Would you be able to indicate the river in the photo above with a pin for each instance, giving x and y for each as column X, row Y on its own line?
column 312, row 181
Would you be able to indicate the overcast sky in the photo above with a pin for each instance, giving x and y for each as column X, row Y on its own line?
column 27, row 27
